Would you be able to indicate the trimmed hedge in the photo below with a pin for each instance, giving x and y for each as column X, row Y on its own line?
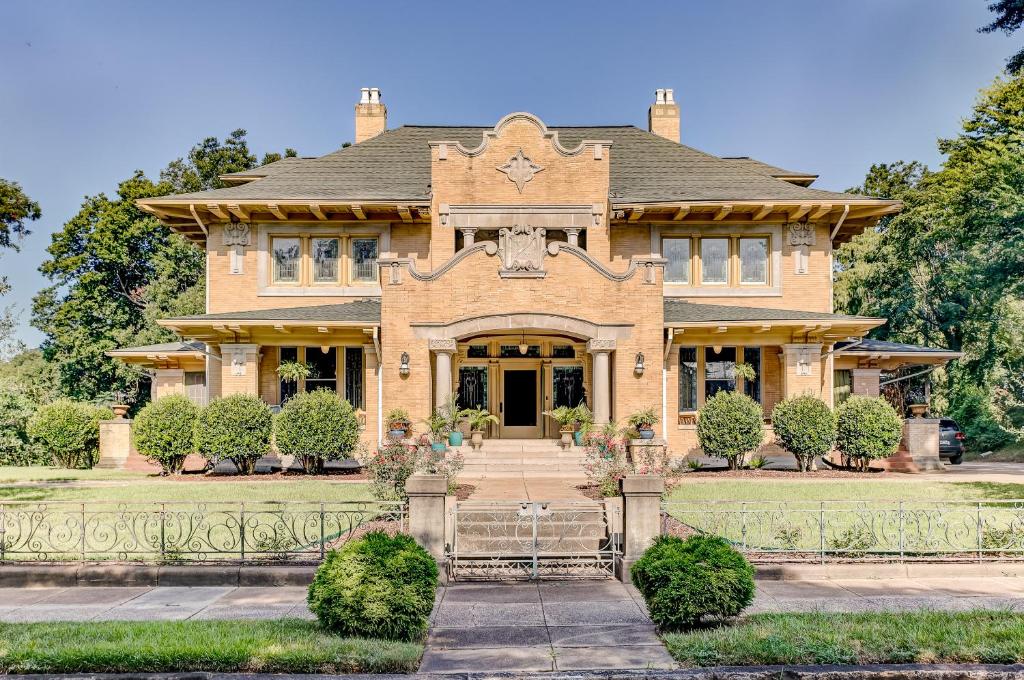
column 235, row 428
column 806, row 427
column 316, row 427
column 868, row 428
column 164, row 431
column 376, row 586
column 686, row 583
column 69, row 431
column 730, row 425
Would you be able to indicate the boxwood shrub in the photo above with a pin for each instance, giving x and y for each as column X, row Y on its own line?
column 69, row 431
column 868, row 428
column 686, row 583
column 806, row 427
column 164, row 431
column 235, row 428
column 377, row 586
column 315, row 427
column 730, row 425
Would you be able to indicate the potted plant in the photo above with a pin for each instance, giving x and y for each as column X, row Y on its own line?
column 565, row 416
column 479, row 419
column 644, row 421
column 584, row 423
column 398, row 423
column 437, row 423
column 453, row 415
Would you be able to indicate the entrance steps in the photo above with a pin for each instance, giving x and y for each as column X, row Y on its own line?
column 532, row 457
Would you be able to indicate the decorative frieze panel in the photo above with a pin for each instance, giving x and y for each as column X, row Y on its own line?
column 522, row 250
column 520, row 170
column 237, row 236
column 801, row 238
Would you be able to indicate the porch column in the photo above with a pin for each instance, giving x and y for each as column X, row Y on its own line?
column 866, row 381
column 468, row 236
column 601, row 351
column 802, row 369
column 239, row 369
column 443, row 349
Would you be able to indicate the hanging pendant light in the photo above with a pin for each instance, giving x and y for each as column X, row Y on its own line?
column 523, row 347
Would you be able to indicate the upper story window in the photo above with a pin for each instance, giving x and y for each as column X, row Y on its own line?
column 754, row 260
column 714, row 260
column 364, row 259
column 677, row 252
column 326, row 260
column 317, row 260
column 287, row 259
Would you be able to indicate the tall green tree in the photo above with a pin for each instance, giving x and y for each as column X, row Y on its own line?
column 115, row 270
column 16, row 209
column 1009, row 17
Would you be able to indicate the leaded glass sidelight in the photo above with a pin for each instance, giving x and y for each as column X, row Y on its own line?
column 752, row 388
column 677, row 252
column 567, row 387
column 325, row 260
column 364, row 259
column 472, row 387
column 286, row 253
column 354, row 377
column 687, row 378
column 753, row 260
column 714, row 260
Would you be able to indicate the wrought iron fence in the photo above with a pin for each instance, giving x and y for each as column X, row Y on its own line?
column 187, row 531
column 857, row 530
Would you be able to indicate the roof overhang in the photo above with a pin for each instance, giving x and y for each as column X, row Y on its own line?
column 845, row 218
column 192, row 218
column 931, row 358
column 791, row 330
column 156, row 359
column 237, row 330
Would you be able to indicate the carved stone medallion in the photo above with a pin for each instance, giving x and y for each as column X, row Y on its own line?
column 237, row 234
column 520, row 170
column 801, row 234
column 522, row 249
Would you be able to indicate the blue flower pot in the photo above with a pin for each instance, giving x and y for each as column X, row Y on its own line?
column 577, row 437
column 438, row 446
column 397, row 434
column 455, row 438
column 646, row 434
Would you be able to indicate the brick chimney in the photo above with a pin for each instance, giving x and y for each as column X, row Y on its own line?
column 663, row 116
column 371, row 115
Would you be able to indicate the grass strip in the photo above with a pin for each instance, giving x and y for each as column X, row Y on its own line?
column 823, row 638
column 270, row 646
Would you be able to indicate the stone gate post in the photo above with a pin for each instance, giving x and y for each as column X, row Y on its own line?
column 426, row 511
column 641, row 516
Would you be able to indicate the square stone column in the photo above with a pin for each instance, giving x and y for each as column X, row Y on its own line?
column 239, row 369
column 801, row 369
column 426, row 511
column 115, row 443
column 641, row 517
column 866, row 381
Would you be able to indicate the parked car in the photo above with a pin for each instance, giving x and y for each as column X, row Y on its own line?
column 951, row 441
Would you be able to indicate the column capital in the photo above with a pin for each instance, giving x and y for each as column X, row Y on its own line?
column 865, row 371
column 442, row 345
column 793, row 347
column 599, row 346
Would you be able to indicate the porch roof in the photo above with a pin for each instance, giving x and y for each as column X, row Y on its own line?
column 362, row 311
column 176, row 348
column 682, row 312
column 869, row 347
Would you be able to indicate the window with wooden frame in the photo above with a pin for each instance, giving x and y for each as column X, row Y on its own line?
column 753, row 255
column 286, row 253
column 323, row 260
column 705, row 370
column 680, row 260
column 717, row 260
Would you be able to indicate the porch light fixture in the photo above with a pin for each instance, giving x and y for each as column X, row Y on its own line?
column 717, row 348
column 403, row 367
column 325, row 348
column 639, row 367
column 523, row 347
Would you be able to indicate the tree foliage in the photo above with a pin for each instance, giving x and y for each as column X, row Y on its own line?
column 115, row 270
column 1009, row 17
column 16, row 208
column 949, row 269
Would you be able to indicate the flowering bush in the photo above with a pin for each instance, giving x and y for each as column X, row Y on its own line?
column 604, row 460
column 389, row 466
column 444, row 462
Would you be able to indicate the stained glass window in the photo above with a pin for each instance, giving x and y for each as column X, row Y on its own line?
column 754, row 260
column 286, row 253
column 354, row 376
column 677, row 252
column 325, row 260
column 364, row 259
column 687, row 378
column 472, row 387
column 714, row 260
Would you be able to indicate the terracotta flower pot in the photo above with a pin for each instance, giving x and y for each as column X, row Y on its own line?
column 476, row 439
column 120, row 410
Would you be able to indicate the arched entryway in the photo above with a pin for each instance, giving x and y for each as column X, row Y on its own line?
column 519, row 365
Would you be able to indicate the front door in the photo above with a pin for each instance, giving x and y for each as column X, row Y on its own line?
column 520, row 403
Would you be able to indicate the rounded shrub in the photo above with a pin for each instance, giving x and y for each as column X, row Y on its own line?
column 699, row 580
column 315, row 427
column 235, row 428
column 730, row 425
column 806, row 427
column 69, row 431
column 377, row 586
column 164, row 431
column 868, row 428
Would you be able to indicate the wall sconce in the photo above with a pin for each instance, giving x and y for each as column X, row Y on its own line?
column 639, row 367
column 403, row 367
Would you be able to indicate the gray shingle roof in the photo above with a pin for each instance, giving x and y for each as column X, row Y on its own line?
column 765, row 168
column 681, row 311
column 164, row 348
column 395, row 166
column 873, row 346
column 364, row 311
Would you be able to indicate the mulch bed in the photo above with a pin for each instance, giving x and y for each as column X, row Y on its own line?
column 464, row 491
column 200, row 476
column 725, row 473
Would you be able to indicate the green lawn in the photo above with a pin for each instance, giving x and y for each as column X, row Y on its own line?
column 275, row 646
column 36, row 473
column 1009, row 454
column 912, row 637
column 764, row 489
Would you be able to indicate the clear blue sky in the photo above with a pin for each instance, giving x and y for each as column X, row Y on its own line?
column 90, row 91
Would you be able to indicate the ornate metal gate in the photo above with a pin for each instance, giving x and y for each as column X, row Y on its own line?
column 532, row 540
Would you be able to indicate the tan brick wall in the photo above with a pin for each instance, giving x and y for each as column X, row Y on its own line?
column 248, row 383
column 168, row 381
column 413, row 241
column 629, row 241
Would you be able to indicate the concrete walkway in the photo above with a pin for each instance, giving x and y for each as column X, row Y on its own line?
column 522, row 487
column 530, row 627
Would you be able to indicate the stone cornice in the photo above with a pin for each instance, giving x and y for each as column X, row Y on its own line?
column 648, row 264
